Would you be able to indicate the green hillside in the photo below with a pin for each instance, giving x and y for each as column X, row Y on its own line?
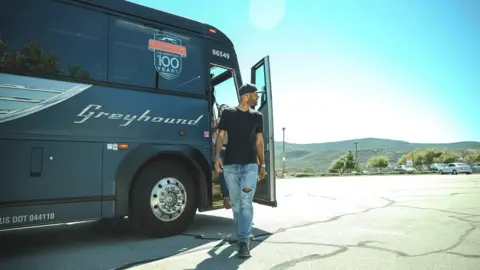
column 320, row 155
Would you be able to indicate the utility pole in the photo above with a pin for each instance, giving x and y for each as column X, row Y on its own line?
column 413, row 157
column 356, row 153
column 283, row 154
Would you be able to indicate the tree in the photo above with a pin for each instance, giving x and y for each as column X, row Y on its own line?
column 3, row 52
column 359, row 167
column 309, row 170
column 427, row 157
column 447, row 157
column 378, row 162
column 430, row 155
column 473, row 157
column 345, row 162
column 33, row 58
column 77, row 72
column 349, row 160
column 336, row 166
column 30, row 58
column 418, row 159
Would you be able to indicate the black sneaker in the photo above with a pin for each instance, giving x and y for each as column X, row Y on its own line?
column 243, row 250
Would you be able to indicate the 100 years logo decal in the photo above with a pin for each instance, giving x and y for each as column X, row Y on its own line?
column 168, row 53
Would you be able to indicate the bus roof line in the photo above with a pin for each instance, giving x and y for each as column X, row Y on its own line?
column 154, row 15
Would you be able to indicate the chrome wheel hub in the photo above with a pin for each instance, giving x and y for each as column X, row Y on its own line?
column 168, row 199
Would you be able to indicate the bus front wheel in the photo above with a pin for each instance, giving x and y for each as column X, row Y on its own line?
column 163, row 200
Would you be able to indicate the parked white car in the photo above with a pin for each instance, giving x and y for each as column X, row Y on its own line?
column 456, row 168
column 476, row 168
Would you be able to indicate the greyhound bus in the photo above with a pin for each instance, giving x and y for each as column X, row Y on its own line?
column 106, row 111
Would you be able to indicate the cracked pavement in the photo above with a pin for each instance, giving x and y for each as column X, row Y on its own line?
column 369, row 222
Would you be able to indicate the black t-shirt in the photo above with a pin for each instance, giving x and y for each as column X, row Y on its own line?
column 242, row 128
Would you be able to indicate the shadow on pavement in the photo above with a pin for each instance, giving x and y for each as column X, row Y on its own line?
column 222, row 256
column 97, row 246
column 217, row 228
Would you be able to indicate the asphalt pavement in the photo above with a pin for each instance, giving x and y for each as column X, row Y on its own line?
column 368, row 222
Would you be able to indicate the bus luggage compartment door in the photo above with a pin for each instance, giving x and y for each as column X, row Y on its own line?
column 49, row 172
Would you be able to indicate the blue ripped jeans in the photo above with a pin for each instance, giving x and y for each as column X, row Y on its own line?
column 241, row 180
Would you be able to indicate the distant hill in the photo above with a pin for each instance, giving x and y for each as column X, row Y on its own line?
column 319, row 156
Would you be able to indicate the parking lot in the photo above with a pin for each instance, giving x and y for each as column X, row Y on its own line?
column 367, row 222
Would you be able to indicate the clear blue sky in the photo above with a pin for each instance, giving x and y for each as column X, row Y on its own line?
column 407, row 70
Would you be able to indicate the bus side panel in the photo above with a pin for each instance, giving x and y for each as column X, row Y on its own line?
column 107, row 114
column 111, row 163
column 36, row 171
column 87, row 112
column 33, row 215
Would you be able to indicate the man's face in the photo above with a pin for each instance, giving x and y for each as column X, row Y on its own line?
column 253, row 99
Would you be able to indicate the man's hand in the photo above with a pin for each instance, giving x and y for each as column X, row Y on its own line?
column 219, row 165
column 261, row 173
column 260, row 156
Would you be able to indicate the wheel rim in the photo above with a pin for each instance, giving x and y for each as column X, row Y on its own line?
column 168, row 199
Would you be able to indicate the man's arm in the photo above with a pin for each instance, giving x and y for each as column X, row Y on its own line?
column 259, row 141
column 219, row 142
column 260, row 151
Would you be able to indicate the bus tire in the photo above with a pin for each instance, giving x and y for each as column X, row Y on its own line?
column 163, row 201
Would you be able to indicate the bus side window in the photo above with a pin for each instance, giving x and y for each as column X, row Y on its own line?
column 260, row 83
column 155, row 58
column 130, row 60
column 61, row 40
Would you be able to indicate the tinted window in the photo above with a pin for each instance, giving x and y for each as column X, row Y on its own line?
column 260, row 82
column 49, row 37
column 149, row 57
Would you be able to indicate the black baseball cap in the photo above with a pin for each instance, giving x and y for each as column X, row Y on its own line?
column 248, row 88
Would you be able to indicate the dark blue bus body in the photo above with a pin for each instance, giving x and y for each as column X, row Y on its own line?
column 99, row 98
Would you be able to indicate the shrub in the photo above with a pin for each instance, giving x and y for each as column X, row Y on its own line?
column 424, row 172
column 298, row 175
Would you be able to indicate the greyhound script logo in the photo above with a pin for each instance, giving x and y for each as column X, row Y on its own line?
column 95, row 112
column 168, row 53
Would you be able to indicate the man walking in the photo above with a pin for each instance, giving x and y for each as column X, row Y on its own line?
column 240, row 168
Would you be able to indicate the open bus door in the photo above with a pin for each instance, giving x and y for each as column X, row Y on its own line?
column 266, row 188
